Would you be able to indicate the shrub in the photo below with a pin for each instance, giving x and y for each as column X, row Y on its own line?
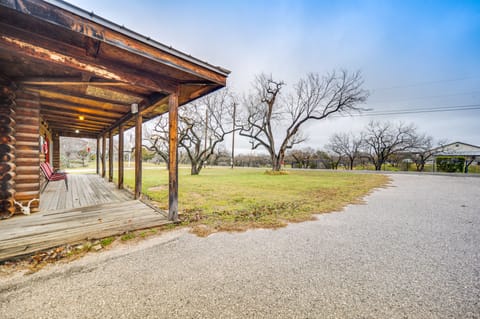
column 450, row 164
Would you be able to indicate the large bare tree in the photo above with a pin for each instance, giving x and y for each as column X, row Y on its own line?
column 329, row 159
column 273, row 120
column 384, row 139
column 203, row 125
column 303, row 156
column 157, row 138
column 347, row 145
column 425, row 150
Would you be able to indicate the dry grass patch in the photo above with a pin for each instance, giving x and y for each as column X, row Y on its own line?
column 221, row 199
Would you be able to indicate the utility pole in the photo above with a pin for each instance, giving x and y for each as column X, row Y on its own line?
column 233, row 134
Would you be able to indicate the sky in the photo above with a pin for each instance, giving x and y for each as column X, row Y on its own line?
column 413, row 55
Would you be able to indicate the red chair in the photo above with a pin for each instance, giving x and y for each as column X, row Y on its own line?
column 51, row 175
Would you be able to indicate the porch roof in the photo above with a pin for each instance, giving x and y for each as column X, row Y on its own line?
column 88, row 71
column 457, row 153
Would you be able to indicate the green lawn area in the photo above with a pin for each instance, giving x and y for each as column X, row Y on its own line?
column 222, row 199
column 233, row 200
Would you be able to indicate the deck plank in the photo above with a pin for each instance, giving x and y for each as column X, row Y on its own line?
column 91, row 209
column 84, row 190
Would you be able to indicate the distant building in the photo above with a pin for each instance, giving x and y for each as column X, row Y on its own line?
column 455, row 157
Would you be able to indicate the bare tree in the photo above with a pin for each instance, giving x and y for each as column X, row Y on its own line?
column 205, row 126
column 469, row 162
column 346, row 144
column 329, row 159
column 425, row 150
column 202, row 127
column 303, row 156
column 252, row 160
column 221, row 157
column 383, row 139
column 273, row 122
column 157, row 138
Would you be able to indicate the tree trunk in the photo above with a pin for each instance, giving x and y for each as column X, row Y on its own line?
column 467, row 164
column 274, row 159
column 277, row 161
column 276, row 165
column 351, row 163
column 196, row 168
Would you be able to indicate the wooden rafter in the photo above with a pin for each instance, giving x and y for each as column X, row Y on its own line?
column 80, row 134
column 72, row 128
column 59, row 82
column 152, row 102
column 70, row 116
column 59, row 53
column 79, row 109
column 82, row 100
column 121, row 87
column 60, row 123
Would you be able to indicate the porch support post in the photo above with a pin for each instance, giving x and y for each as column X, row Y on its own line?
column 173, row 157
column 98, row 156
column 104, row 149
column 56, row 150
column 110, row 156
column 138, row 156
column 120, row 156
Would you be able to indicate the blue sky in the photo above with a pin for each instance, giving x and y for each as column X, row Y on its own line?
column 412, row 53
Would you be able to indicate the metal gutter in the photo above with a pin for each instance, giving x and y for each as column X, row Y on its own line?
column 458, row 153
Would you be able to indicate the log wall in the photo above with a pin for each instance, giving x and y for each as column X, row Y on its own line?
column 7, row 151
column 28, row 153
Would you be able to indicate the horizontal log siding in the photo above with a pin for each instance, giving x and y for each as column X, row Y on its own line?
column 7, row 150
column 28, row 153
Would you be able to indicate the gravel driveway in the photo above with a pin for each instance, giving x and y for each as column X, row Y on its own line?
column 413, row 251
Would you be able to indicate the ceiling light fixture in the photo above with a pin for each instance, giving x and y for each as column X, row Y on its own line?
column 81, row 117
column 134, row 108
column 77, row 131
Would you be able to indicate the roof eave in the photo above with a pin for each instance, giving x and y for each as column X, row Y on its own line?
column 134, row 35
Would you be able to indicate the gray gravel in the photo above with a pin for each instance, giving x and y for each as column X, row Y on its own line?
column 413, row 251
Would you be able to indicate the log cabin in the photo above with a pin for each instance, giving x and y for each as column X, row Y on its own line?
column 68, row 72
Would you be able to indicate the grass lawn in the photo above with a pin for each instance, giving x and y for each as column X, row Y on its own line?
column 221, row 199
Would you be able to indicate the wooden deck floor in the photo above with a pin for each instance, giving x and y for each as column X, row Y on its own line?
column 83, row 190
column 109, row 212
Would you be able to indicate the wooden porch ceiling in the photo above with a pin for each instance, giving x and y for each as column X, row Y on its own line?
column 88, row 71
